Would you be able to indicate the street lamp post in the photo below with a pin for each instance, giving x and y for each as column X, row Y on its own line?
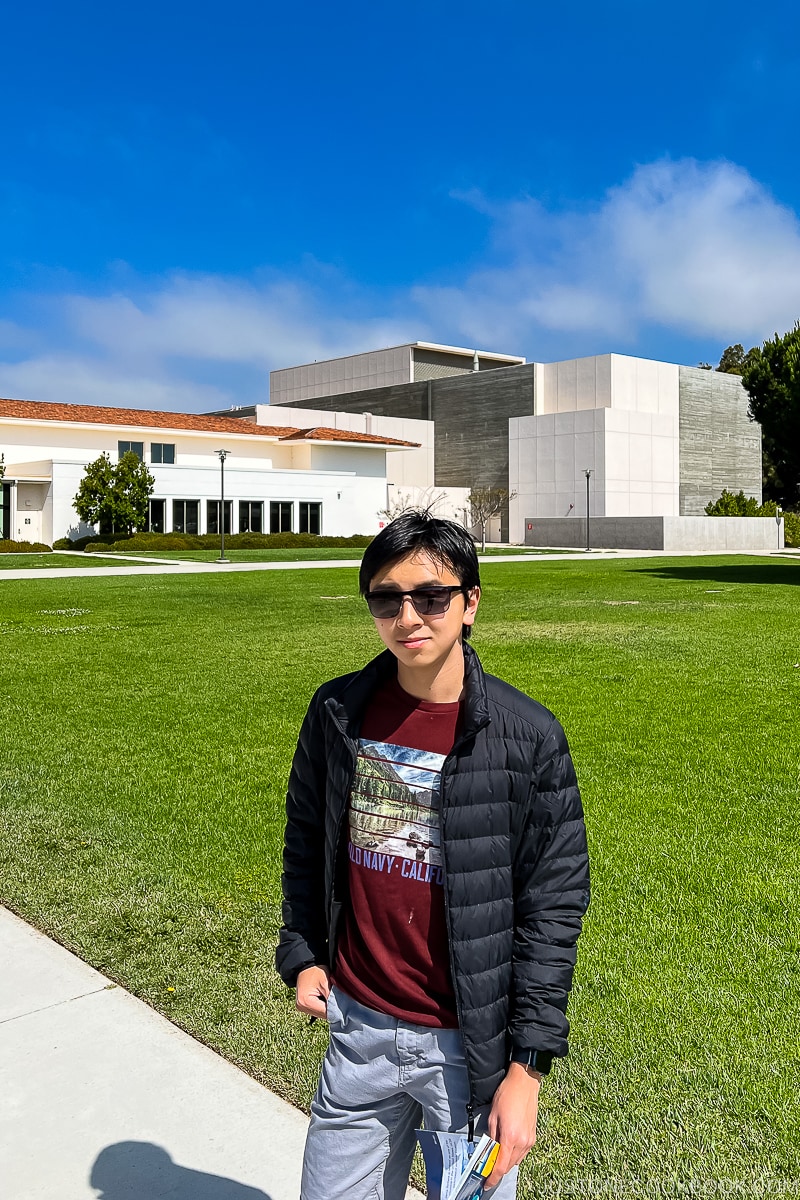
column 223, row 454
column 588, row 475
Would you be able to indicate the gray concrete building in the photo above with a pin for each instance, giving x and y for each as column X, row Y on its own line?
column 658, row 439
column 414, row 362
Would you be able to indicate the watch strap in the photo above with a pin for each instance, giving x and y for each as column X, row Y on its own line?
column 538, row 1060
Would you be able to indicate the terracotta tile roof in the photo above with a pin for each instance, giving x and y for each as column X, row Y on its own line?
column 321, row 434
column 95, row 414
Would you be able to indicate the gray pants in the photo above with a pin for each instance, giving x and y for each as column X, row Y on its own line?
column 382, row 1079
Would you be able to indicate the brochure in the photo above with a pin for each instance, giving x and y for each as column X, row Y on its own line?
column 455, row 1168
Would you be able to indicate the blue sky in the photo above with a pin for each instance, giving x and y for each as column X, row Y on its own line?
column 191, row 195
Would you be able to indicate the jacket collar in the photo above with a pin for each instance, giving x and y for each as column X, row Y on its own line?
column 347, row 707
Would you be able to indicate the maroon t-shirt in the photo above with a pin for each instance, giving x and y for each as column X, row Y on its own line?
column 393, row 953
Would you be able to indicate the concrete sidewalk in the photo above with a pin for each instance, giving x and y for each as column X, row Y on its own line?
column 128, row 565
column 163, row 566
column 101, row 1098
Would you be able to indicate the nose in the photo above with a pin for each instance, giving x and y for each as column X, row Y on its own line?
column 408, row 615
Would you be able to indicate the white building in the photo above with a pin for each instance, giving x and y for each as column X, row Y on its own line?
column 658, row 440
column 278, row 476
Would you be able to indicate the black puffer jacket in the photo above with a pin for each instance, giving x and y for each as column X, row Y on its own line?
column 513, row 849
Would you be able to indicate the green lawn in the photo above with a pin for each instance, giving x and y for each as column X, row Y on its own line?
column 149, row 725
column 34, row 562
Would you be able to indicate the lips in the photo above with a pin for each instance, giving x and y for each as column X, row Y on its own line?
column 412, row 643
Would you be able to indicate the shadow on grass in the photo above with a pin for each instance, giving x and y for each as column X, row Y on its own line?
column 142, row 1171
column 750, row 572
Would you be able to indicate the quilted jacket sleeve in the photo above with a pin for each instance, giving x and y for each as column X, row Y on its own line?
column 551, row 896
column 303, row 938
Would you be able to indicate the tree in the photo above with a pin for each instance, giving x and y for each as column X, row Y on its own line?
column 733, row 360
column 486, row 503
column 772, row 381
column 427, row 500
column 115, row 498
column 133, row 487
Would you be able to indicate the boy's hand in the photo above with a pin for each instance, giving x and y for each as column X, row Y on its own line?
column 313, row 986
column 512, row 1119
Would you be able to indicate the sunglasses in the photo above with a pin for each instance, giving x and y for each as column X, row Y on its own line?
column 427, row 601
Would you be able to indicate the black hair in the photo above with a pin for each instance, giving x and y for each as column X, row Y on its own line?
column 417, row 531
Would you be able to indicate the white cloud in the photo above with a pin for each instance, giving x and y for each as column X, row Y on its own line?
column 72, row 379
column 683, row 249
column 187, row 342
column 701, row 249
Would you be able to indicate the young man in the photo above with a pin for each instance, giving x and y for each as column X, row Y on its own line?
column 435, row 878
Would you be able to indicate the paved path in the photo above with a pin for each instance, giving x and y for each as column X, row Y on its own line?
column 101, row 1098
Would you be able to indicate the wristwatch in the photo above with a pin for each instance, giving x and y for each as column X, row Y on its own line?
column 537, row 1060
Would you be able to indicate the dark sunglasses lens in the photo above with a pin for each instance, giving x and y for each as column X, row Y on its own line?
column 429, row 602
column 384, row 604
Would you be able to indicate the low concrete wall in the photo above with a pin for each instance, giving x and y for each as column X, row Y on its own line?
column 726, row 534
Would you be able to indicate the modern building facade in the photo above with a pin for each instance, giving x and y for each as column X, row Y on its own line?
column 658, row 439
column 278, row 477
column 413, row 363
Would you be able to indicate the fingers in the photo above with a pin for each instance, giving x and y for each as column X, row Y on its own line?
column 503, row 1163
column 313, row 987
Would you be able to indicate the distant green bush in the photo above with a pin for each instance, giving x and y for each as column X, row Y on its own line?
column 105, row 539
column 7, row 546
column 211, row 541
column 791, row 529
column 732, row 504
column 739, row 505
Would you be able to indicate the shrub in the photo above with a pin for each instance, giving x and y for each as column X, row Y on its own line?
column 211, row 541
column 730, row 505
column 791, row 529
column 739, row 505
column 104, row 539
column 8, row 546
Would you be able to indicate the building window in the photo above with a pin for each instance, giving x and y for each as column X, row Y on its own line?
column 186, row 516
column 251, row 516
column 136, row 448
column 310, row 517
column 212, row 513
column 156, row 516
column 5, row 511
column 162, row 452
column 280, row 516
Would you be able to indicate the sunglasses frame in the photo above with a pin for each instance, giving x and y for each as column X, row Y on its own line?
column 420, row 593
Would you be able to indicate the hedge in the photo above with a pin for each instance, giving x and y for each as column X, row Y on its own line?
column 7, row 546
column 211, row 541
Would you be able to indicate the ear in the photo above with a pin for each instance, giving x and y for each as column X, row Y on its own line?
column 471, row 606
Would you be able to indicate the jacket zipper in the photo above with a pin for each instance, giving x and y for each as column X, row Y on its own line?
column 471, row 1101
column 337, row 841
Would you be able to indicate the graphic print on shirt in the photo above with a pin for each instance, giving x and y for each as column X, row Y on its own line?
column 394, row 811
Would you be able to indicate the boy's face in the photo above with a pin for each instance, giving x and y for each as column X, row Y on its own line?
column 422, row 641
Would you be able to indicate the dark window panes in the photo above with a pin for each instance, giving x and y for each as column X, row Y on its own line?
column 251, row 516
column 162, row 453
column 126, row 447
column 5, row 511
column 212, row 514
column 156, row 516
column 185, row 516
column 310, row 514
column 280, row 516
